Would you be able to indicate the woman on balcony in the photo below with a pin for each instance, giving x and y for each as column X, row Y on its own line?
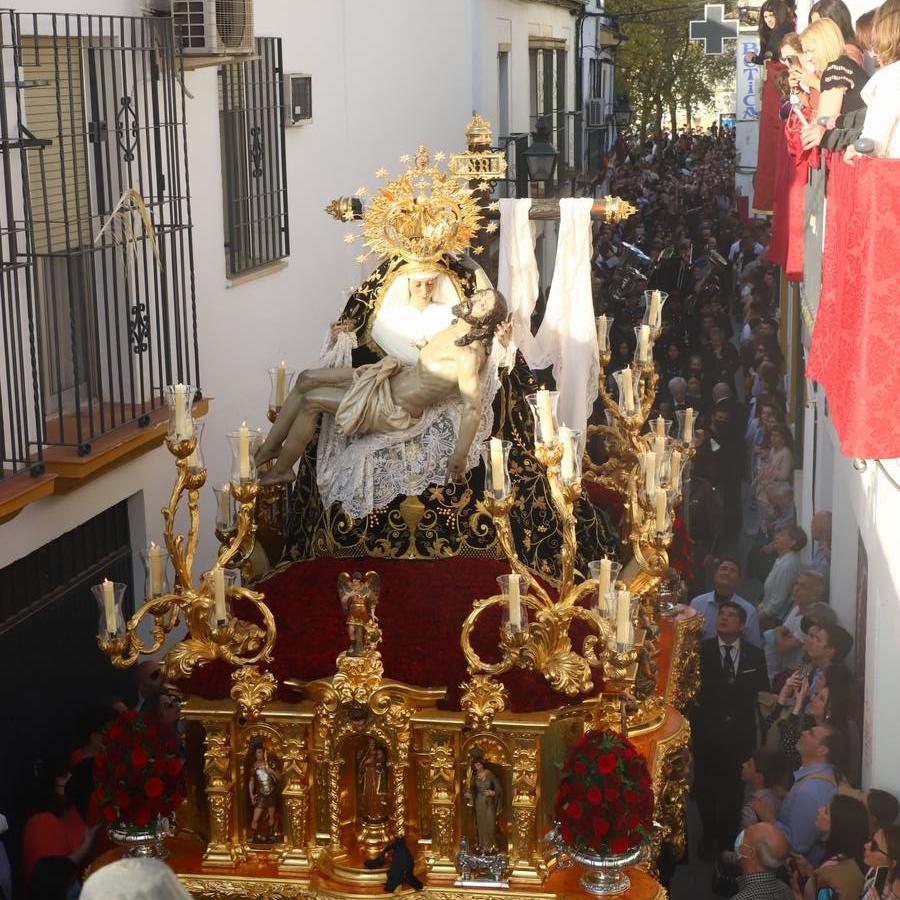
column 841, row 79
column 774, row 23
column 881, row 93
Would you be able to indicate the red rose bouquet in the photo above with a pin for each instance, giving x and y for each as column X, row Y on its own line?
column 605, row 799
column 140, row 775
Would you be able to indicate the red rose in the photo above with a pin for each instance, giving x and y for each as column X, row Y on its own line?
column 141, row 814
column 632, row 821
column 611, row 794
column 619, row 844
column 606, row 762
column 573, row 810
column 631, row 797
column 594, row 796
column 601, row 827
column 153, row 787
column 139, row 757
column 628, row 753
column 129, row 715
column 174, row 767
column 580, row 768
column 109, row 812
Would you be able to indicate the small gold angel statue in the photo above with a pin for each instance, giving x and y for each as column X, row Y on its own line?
column 358, row 595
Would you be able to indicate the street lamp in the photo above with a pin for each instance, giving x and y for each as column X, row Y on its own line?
column 622, row 112
column 540, row 157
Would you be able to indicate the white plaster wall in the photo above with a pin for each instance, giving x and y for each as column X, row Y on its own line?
column 387, row 75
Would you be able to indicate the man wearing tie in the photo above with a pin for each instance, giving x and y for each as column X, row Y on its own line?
column 724, row 724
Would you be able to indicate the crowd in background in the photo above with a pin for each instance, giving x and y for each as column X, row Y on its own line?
column 776, row 728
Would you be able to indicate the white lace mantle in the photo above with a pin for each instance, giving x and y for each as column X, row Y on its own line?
column 366, row 472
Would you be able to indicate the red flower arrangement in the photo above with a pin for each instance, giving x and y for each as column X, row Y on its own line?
column 605, row 799
column 140, row 775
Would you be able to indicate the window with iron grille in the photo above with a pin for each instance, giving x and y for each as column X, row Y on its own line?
column 254, row 192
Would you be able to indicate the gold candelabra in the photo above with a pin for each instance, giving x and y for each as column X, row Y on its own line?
column 647, row 469
column 213, row 631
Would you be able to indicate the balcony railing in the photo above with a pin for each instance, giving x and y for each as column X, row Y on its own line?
column 93, row 326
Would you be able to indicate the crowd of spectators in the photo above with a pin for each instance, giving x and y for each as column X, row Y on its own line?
column 776, row 728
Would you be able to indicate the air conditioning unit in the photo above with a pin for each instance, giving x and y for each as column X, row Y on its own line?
column 213, row 27
column 297, row 99
column 596, row 113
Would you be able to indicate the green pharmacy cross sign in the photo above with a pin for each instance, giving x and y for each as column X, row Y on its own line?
column 713, row 28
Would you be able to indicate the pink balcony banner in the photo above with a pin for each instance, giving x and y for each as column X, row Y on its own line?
column 855, row 349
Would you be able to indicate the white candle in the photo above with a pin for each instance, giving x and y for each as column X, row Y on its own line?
column 109, row 605
column 545, row 415
column 157, row 570
column 244, row 451
column 628, row 390
column 280, row 383
column 688, row 425
column 602, row 333
column 567, row 466
column 644, row 344
column 497, row 479
column 650, row 472
column 659, row 448
column 661, row 503
column 660, row 427
column 180, row 424
column 654, row 316
column 515, row 603
column 623, row 618
column 675, row 470
column 219, row 592
column 225, row 505
column 603, row 586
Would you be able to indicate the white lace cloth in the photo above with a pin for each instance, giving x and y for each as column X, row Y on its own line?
column 365, row 472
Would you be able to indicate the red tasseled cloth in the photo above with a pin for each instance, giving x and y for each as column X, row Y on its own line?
column 420, row 612
column 786, row 246
column 769, row 137
column 853, row 353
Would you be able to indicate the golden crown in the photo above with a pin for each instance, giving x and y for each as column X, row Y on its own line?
column 422, row 214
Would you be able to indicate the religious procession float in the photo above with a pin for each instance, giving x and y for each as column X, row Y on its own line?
column 465, row 672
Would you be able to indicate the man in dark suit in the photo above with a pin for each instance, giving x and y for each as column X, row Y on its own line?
column 724, row 724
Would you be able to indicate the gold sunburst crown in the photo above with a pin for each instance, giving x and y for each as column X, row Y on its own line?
column 422, row 214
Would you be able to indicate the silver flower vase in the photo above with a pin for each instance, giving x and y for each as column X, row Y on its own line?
column 143, row 841
column 603, row 876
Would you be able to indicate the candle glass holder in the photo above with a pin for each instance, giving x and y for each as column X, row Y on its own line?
column 687, row 426
column 664, row 526
column 604, row 606
column 195, row 461
column 628, row 643
column 643, row 350
column 546, row 428
column 180, row 400
column 629, row 411
column 500, row 487
column 658, row 427
column 112, row 620
column 604, row 328
column 655, row 322
column 230, row 581
column 244, row 444
column 514, row 617
column 573, row 455
column 281, row 380
column 156, row 575
column 673, row 469
column 225, row 511
column 650, row 473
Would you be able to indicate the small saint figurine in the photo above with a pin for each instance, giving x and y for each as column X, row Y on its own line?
column 485, row 795
column 263, row 785
column 373, row 783
column 358, row 595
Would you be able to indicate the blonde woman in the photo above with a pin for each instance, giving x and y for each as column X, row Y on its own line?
column 841, row 79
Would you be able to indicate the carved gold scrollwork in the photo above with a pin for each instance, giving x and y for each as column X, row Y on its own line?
column 669, row 773
column 481, row 700
column 252, row 690
column 222, row 849
column 295, row 794
column 684, row 677
column 443, row 798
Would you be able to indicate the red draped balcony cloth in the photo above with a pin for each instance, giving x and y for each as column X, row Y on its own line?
column 786, row 245
column 769, row 139
column 855, row 349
